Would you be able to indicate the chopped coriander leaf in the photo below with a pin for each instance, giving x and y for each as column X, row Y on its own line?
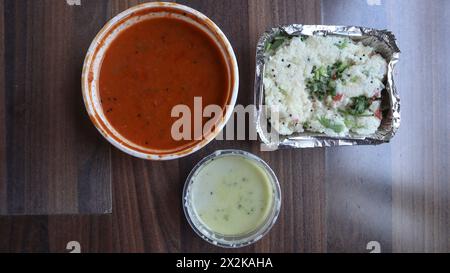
column 328, row 123
column 358, row 107
column 360, row 104
column 342, row 44
column 349, row 123
column 267, row 46
column 323, row 80
column 276, row 44
column 340, row 67
column 352, row 124
column 282, row 91
column 277, row 41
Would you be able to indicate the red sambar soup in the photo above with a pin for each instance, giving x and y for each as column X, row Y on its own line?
column 153, row 66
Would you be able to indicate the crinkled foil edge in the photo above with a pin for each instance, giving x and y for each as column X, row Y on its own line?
column 384, row 43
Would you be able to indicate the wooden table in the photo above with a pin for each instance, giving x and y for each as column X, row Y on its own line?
column 337, row 200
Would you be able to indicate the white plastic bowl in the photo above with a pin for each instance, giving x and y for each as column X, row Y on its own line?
column 95, row 55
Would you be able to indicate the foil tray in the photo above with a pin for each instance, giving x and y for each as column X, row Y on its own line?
column 382, row 41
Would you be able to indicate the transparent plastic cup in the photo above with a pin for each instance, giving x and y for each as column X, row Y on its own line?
column 233, row 241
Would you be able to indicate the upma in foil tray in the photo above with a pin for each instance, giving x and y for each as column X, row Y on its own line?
column 326, row 86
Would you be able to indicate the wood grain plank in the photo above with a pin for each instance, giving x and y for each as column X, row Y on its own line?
column 11, row 59
column 359, row 189
column 415, row 162
column 420, row 151
column 56, row 162
column 94, row 154
column 3, row 189
column 93, row 232
column 26, row 234
column 300, row 172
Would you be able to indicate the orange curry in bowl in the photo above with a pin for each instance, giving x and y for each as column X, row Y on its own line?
column 152, row 66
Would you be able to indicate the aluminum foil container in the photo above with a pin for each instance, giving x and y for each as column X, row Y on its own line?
column 382, row 41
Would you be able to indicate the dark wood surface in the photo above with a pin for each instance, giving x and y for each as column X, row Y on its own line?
column 334, row 200
column 53, row 160
column 399, row 194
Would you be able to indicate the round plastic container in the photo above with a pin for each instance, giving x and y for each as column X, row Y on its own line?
column 95, row 56
column 231, row 241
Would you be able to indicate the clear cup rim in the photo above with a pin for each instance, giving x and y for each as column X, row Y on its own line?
column 231, row 241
